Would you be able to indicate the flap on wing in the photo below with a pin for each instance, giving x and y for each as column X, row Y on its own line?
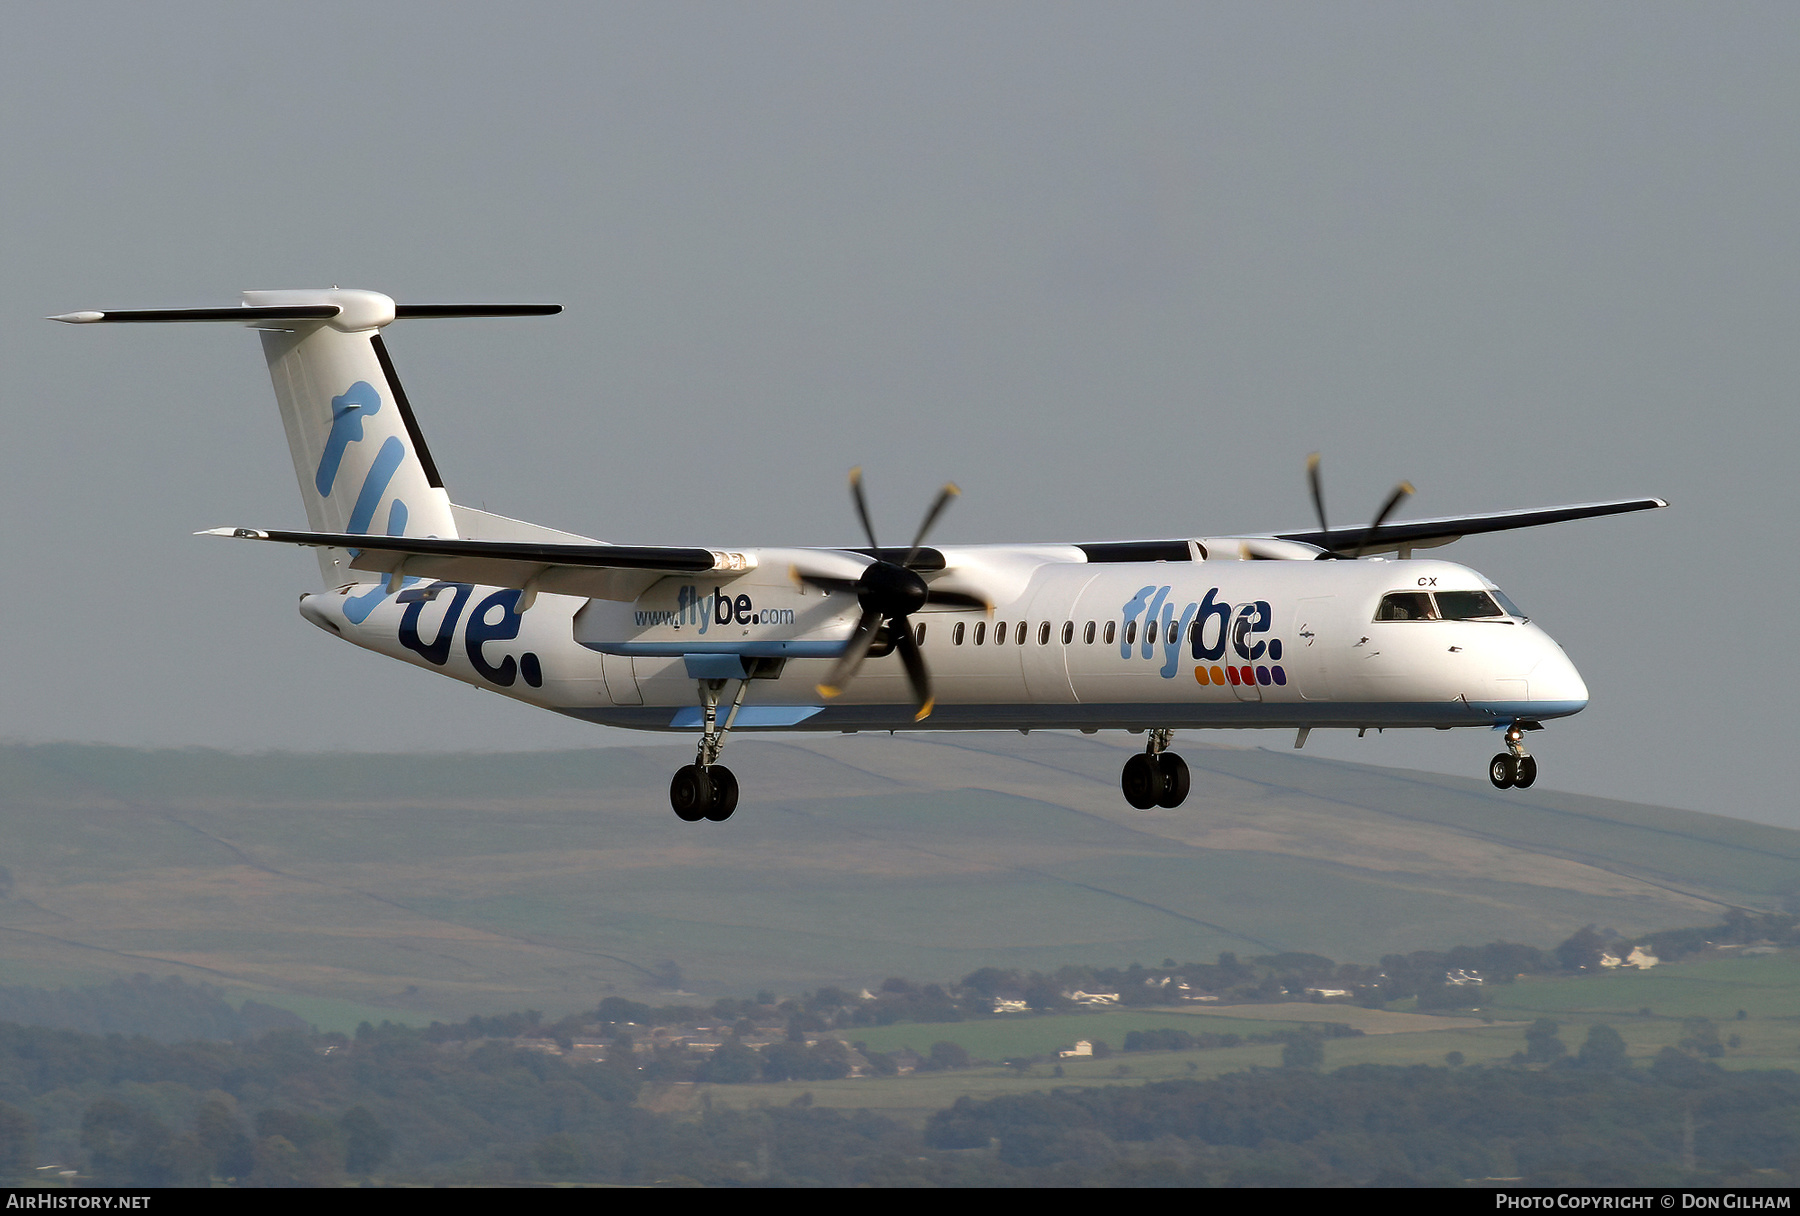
column 1427, row 533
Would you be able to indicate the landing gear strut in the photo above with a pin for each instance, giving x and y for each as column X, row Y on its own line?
column 1513, row 768
column 707, row 789
column 1155, row 776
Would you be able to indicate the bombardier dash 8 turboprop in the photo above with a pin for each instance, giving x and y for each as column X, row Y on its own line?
column 1149, row 636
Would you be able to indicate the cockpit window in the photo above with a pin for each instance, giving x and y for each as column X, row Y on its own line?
column 1445, row 606
column 1467, row 605
column 1512, row 609
column 1406, row 606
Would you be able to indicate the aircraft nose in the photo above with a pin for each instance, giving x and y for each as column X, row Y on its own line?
column 1556, row 687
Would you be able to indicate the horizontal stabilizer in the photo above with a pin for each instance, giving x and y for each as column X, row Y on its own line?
column 242, row 315
column 246, row 315
column 402, row 311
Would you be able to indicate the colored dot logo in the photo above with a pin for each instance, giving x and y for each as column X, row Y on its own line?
column 1236, row 676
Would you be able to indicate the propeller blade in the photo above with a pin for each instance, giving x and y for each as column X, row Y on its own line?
column 1318, row 492
column 916, row 675
column 1400, row 494
column 862, row 507
column 855, row 651
column 949, row 491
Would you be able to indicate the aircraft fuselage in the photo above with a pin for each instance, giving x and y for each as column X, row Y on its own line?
column 1136, row 645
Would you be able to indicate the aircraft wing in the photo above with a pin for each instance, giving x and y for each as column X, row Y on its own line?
column 1429, row 533
column 596, row 570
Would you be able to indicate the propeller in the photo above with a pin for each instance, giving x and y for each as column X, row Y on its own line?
column 889, row 592
column 1400, row 493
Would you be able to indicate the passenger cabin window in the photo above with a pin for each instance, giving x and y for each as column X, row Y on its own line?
column 919, row 633
column 1068, row 634
column 1087, row 635
column 999, row 633
column 956, row 634
column 1019, row 634
column 1130, row 633
column 1110, row 631
column 1406, row 606
column 1044, row 634
column 980, row 628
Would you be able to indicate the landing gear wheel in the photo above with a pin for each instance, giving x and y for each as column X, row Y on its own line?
column 724, row 794
column 1142, row 781
column 1175, row 780
column 691, row 793
column 1524, row 772
column 1503, row 771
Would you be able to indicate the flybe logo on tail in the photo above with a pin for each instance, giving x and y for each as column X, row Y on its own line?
column 358, row 402
column 1210, row 627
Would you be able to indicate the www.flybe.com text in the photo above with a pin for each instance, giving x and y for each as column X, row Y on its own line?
column 717, row 608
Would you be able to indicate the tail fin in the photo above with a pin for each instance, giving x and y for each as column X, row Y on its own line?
column 362, row 464
column 360, row 459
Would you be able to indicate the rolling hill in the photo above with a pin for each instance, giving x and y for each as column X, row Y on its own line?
column 419, row 886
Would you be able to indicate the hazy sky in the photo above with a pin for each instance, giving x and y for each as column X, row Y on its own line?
column 1116, row 269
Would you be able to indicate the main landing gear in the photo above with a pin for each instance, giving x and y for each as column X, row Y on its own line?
column 1513, row 768
column 1155, row 776
column 707, row 789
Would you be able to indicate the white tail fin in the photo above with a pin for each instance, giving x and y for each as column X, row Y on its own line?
column 360, row 460
column 362, row 464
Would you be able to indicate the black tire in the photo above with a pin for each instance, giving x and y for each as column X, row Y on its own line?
column 1524, row 772
column 1502, row 771
column 690, row 793
column 1142, row 781
column 725, row 794
column 1175, row 780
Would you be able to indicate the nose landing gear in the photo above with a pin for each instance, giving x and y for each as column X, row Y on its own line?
column 1155, row 776
column 1514, row 768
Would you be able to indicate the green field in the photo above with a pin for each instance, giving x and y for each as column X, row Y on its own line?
column 422, row 887
column 1766, row 987
column 1003, row 1039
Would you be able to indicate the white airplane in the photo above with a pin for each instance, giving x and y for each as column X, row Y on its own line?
column 1148, row 636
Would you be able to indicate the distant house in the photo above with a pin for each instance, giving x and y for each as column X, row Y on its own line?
column 1094, row 998
column 1462, row 979
column 1008, row 1005
column 1641, row 958
column 1083, row 1047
